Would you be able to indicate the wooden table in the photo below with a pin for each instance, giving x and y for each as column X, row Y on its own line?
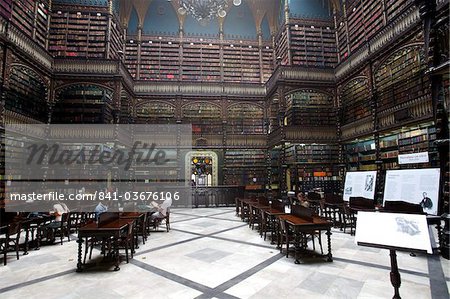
column 115, row 229
column 307, row 225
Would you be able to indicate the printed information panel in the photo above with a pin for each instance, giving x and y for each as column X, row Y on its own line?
column 360, row 184
column 418, row 186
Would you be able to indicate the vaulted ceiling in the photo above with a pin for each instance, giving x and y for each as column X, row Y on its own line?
column 260, row 9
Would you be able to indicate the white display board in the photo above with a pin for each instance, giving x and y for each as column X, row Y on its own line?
column 413, row 158
column 418, row 186
column 360, row 184
column 408, row 231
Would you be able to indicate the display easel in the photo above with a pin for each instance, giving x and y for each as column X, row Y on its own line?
column 395, row 274
column 400, row 232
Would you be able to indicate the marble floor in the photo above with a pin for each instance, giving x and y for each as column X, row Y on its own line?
column 210, row 253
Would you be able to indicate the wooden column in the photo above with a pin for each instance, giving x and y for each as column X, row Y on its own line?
column 260, row 47
column 288, row 33
column 344, row 11
column 336, row 34
column 139, row 42
column 108, row 31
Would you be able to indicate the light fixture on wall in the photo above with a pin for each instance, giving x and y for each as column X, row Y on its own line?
column 205, row 10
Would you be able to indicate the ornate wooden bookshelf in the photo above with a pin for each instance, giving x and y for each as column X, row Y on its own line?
column 281, row 46
column 267, row 62
column 27, row 94
column 204, row 117
column 131, row 57
column 116, row 39
column 42, row 17
column 361, row 154
column 310, row 108
column 274, row 168
column 85, row 104
column 245, row 119
column 155, row 113
column 314, row 166
column 355, row 100
column 6, row 8
column 189, row 59
column 355, row 23
column 399, row 79
column 23, row 14
column 243, row 166
column 395, row 7
column 342, row 35
column 75, row 33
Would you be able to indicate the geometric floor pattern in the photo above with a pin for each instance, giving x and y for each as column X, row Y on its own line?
column 210, row 253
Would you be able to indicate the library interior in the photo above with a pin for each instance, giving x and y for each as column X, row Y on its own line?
column 224, row 149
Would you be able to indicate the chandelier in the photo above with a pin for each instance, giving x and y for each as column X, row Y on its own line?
column 205, row 10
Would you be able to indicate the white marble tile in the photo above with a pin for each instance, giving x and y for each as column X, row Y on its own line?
column 181, row 257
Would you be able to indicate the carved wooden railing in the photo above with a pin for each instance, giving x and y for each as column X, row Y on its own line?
column 196, row 88
column 23, row 42
column 93, row 67
column 82, row 66
column 311, row 134
column 216, row 196
column 357, row 128
column 295, row 73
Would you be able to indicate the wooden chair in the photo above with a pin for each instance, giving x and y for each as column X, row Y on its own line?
column 245, row 211
column 237, row 202
column 333, row 205
column 64, row 229
column 127, row 242
column 272, row 225
column 75, row 221
column 255, row 217
column 263, row 225
column 141, row 228
column 315, row 203
column 348, row 219
column 11, row 239
column 156, row 222
column 285, row 236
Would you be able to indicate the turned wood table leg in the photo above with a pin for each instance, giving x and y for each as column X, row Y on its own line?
column 27, row 232
column 297, row 245
column 330, row 256
column 116, row 251
column 80, row 253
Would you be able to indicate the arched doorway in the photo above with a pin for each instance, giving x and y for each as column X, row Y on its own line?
column 202, row 168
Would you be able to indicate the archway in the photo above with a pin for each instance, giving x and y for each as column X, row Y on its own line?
column 202, row 167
